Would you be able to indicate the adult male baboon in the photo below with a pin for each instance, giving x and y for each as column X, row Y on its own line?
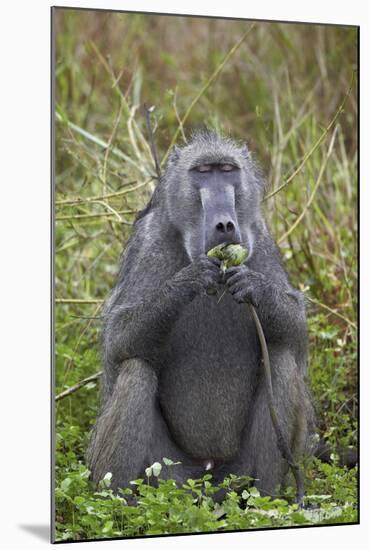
column 182, row 375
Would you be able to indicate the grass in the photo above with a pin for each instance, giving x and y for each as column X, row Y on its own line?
column 289, row 91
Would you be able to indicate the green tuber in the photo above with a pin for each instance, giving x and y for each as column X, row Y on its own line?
column 230, row 254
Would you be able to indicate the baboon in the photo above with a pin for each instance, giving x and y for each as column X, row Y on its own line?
column 182, row 375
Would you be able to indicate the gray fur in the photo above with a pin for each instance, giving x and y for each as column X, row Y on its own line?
column 182, row 375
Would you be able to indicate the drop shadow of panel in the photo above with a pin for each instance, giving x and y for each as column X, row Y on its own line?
column 39, row 531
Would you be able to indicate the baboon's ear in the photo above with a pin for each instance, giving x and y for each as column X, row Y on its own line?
column 246, row 153
column 255, row 174
column 174, row 155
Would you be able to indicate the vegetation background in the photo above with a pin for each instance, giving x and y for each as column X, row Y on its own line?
column 289, row 91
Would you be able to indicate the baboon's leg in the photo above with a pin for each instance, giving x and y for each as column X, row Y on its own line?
column 130, row 434
column 260, row 456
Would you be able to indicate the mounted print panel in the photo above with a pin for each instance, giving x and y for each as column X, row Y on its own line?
column 205, row 260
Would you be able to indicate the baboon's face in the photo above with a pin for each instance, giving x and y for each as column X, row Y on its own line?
column 212, row 196
column 216, row 187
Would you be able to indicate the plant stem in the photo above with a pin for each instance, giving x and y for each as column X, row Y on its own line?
column 77, row 386
column 281, row 441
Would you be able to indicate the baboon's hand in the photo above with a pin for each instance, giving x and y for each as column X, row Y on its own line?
column 246, row 285
column 202, row 274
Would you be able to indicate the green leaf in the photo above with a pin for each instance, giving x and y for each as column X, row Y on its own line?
column 137, row 482
column 156, row 469
column 254, row 492
column 169, row 462
column 65, row 484
column 108, row 526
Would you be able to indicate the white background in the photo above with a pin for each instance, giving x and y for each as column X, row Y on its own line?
column 25, row 270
